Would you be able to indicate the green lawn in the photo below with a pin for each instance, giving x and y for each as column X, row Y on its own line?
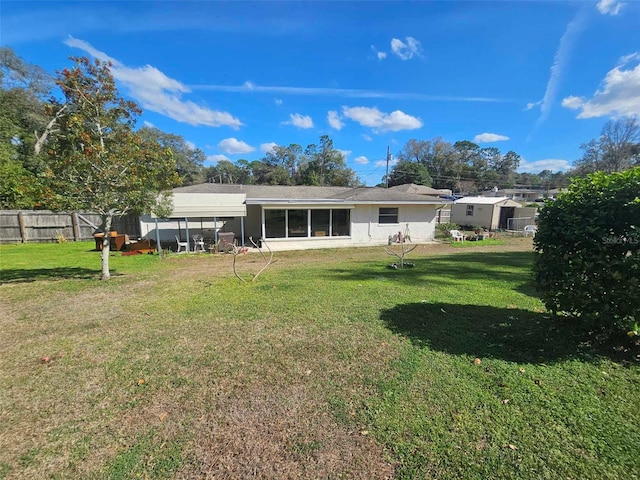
column 330, row 365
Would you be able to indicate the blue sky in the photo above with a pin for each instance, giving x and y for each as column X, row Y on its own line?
column 539, row 78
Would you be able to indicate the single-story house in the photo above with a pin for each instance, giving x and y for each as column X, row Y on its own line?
column 488, row 212
column 296, row 217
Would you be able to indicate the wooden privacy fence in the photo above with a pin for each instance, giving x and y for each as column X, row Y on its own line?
column 22, row 226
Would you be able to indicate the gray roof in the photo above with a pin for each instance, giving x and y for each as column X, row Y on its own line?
column 264, row 193
column 420, row 189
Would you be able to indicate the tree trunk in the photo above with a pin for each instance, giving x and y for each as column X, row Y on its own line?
column 106, row 243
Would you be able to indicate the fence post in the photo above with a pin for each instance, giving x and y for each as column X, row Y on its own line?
column 76, row 227
column 23, row 227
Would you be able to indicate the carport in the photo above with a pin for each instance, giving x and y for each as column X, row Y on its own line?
column 194, row 208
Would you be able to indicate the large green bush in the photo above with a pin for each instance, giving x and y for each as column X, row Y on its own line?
column 588, row 250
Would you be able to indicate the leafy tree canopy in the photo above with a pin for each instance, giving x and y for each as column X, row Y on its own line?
column 95, row 161
column 189, row 159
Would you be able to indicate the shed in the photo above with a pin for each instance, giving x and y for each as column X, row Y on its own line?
column 486, row 212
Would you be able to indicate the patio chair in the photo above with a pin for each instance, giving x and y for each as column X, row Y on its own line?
column 530, row 229
column 198, row 243
column 182, row 245
column 456, row 235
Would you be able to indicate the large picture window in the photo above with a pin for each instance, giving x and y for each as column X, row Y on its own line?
column 275, row 223
column 340, row 223
column 297, row 225
column 320, row 223
column 388, row 215
column 300, row 223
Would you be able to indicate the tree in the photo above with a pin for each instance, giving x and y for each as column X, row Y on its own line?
column 323, row 165
column 587, row 261
column 287, row 158
column 617, row 149
column 224, row 171
column 94, row 159
column 22, row 118
column 189, row 160
column 409, row 172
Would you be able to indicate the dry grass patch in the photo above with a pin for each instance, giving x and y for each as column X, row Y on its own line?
column 282, row 433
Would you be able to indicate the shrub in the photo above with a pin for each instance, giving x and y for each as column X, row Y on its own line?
column 588, row 250
column 447, row 227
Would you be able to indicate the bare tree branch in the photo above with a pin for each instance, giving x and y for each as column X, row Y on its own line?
column 42, row 138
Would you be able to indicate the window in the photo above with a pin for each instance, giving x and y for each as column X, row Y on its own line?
column 307, row 223
column 469, row 210
column 274, row 223
column 340, row 223
column 297, row 225
column 320, row 223
column 388, row 215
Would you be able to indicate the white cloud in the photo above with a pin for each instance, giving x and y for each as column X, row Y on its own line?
column 560, row 59
column 489, row 138
column 572, row 102
column 248, row 87
column 367, row 138
column 618, row 95
column 609, row 7
column 408, row 50
column 148, row 124
column 361, row 160
column 217, row 158
column 268, row 147
column 345, row 153
column 532, row 105
column 553, row 164
column 383, row 163
column 334, row 120
column 278, row 101
column 372, row 117
column 190, row 145
column 154, row 91
column 300, row 121
column 233, row 146
column 379, row 55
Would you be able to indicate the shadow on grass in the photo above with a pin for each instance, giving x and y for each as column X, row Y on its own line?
column 512, row 267
column 513, row 335
column 35, row 274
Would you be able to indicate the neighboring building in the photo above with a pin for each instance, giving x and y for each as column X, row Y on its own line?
column 297, row 217
column 516, row 194
column 486, row 212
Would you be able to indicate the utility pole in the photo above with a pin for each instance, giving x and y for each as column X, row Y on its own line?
column 386, row 177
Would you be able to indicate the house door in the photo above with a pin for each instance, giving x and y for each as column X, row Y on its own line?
column 505, row 214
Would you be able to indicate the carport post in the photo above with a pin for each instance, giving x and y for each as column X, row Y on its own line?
column 186, row 228
column 158, row 239
column 242, row 229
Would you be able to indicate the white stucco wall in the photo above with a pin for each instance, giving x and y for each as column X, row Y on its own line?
column 365, row 229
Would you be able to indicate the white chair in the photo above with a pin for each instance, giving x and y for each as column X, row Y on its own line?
column 456, row 235
column 182, row 245
column 198, row 243
column 530, row 229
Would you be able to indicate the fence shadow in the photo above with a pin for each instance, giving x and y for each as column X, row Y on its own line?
column 35, row 274
column 513, row 335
